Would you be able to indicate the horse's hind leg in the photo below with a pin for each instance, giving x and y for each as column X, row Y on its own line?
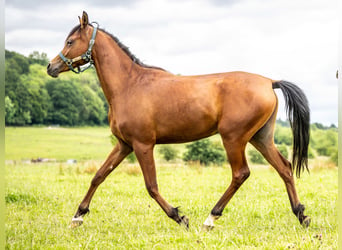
column 263, row 141
column 113, row 160
column 240, row 172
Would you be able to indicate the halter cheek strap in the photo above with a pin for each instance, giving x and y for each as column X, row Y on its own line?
column 86, row 56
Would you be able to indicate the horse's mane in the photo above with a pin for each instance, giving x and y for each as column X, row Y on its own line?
column 122, row 46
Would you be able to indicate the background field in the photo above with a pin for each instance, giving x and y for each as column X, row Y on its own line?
column 42, row 198
column 57, row 143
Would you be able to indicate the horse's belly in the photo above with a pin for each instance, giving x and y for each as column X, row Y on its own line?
column 186, row 129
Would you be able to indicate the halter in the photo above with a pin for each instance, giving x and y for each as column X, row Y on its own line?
column 86, row 56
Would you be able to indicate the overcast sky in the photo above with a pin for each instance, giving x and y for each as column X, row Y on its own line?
column 281, row 39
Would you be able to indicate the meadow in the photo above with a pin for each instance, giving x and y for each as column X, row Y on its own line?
column 42, row 198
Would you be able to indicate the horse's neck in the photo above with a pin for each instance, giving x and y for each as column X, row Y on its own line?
column 114, row 68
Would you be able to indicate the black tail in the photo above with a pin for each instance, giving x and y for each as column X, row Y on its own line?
column 298, row 113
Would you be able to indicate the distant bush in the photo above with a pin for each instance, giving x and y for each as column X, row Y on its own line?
column 283, row 150
column 311, row 154
column 282, row 135
column 256, row 157
column 168, row 152
column 205, row 152
column 334, row 156
column 131, row 158
column 324, row 141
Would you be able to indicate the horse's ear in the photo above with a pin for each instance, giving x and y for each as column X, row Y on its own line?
column 84, row 20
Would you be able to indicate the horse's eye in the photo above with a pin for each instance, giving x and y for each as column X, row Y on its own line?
column 69, row 42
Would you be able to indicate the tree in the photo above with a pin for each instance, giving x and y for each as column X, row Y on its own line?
column 9, row 111
column 39, row 96
column 20, row 98
column 38, row 58
column 40, row 104
column 92, row 111
column 38, row 99
column 205, row 152
column 17, row 62
column 15, row 66
column 66, row 102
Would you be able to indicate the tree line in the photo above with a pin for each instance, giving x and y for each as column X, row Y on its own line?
column 34, row 98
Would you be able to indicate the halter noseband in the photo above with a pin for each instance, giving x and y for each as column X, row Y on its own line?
column 86, row 56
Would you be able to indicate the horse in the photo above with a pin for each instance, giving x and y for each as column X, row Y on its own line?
column 149, row 105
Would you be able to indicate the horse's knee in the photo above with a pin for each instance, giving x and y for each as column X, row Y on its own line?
column 240, row 176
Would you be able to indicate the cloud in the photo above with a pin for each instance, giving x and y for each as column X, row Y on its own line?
column 36, row 4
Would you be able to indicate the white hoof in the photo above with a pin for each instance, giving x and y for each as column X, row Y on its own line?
column 76, row 222
column 209, row 223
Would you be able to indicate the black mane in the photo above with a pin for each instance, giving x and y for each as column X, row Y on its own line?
column 122, row 46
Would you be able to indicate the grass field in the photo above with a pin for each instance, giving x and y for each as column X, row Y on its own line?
column 42, row 198
column 58, row 143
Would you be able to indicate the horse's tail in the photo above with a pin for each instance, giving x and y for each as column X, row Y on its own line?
column 298, row 113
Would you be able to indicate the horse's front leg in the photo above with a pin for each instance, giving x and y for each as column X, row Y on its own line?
column 144, row 154
column 120, row 151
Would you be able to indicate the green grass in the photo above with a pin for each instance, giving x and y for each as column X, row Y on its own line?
column 41, row 199
column 88, row 143
column 84, row 143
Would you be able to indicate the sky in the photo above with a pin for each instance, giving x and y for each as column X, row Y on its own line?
column 295, row 41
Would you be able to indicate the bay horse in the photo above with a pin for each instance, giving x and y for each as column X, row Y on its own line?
column 148, row 106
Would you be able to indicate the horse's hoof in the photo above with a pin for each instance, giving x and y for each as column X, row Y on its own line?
column 184, row 222
column 208, row 225
column 76, row 222
column 306, row 222
column 207, row 228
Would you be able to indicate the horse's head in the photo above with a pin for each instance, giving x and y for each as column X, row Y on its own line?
column 77, row 49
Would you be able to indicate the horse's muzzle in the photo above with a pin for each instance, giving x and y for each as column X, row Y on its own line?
column 52, row 71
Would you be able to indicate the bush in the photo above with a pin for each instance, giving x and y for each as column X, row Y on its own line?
column 256, row 157
column 205, row 152
column 334, row 156
column 324, row 141
column 168, row 152
column 131, row 158
column 311, row 153
column 283, row 150
column 283, row 135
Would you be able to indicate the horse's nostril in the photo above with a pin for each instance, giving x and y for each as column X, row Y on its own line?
column 48, row 66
